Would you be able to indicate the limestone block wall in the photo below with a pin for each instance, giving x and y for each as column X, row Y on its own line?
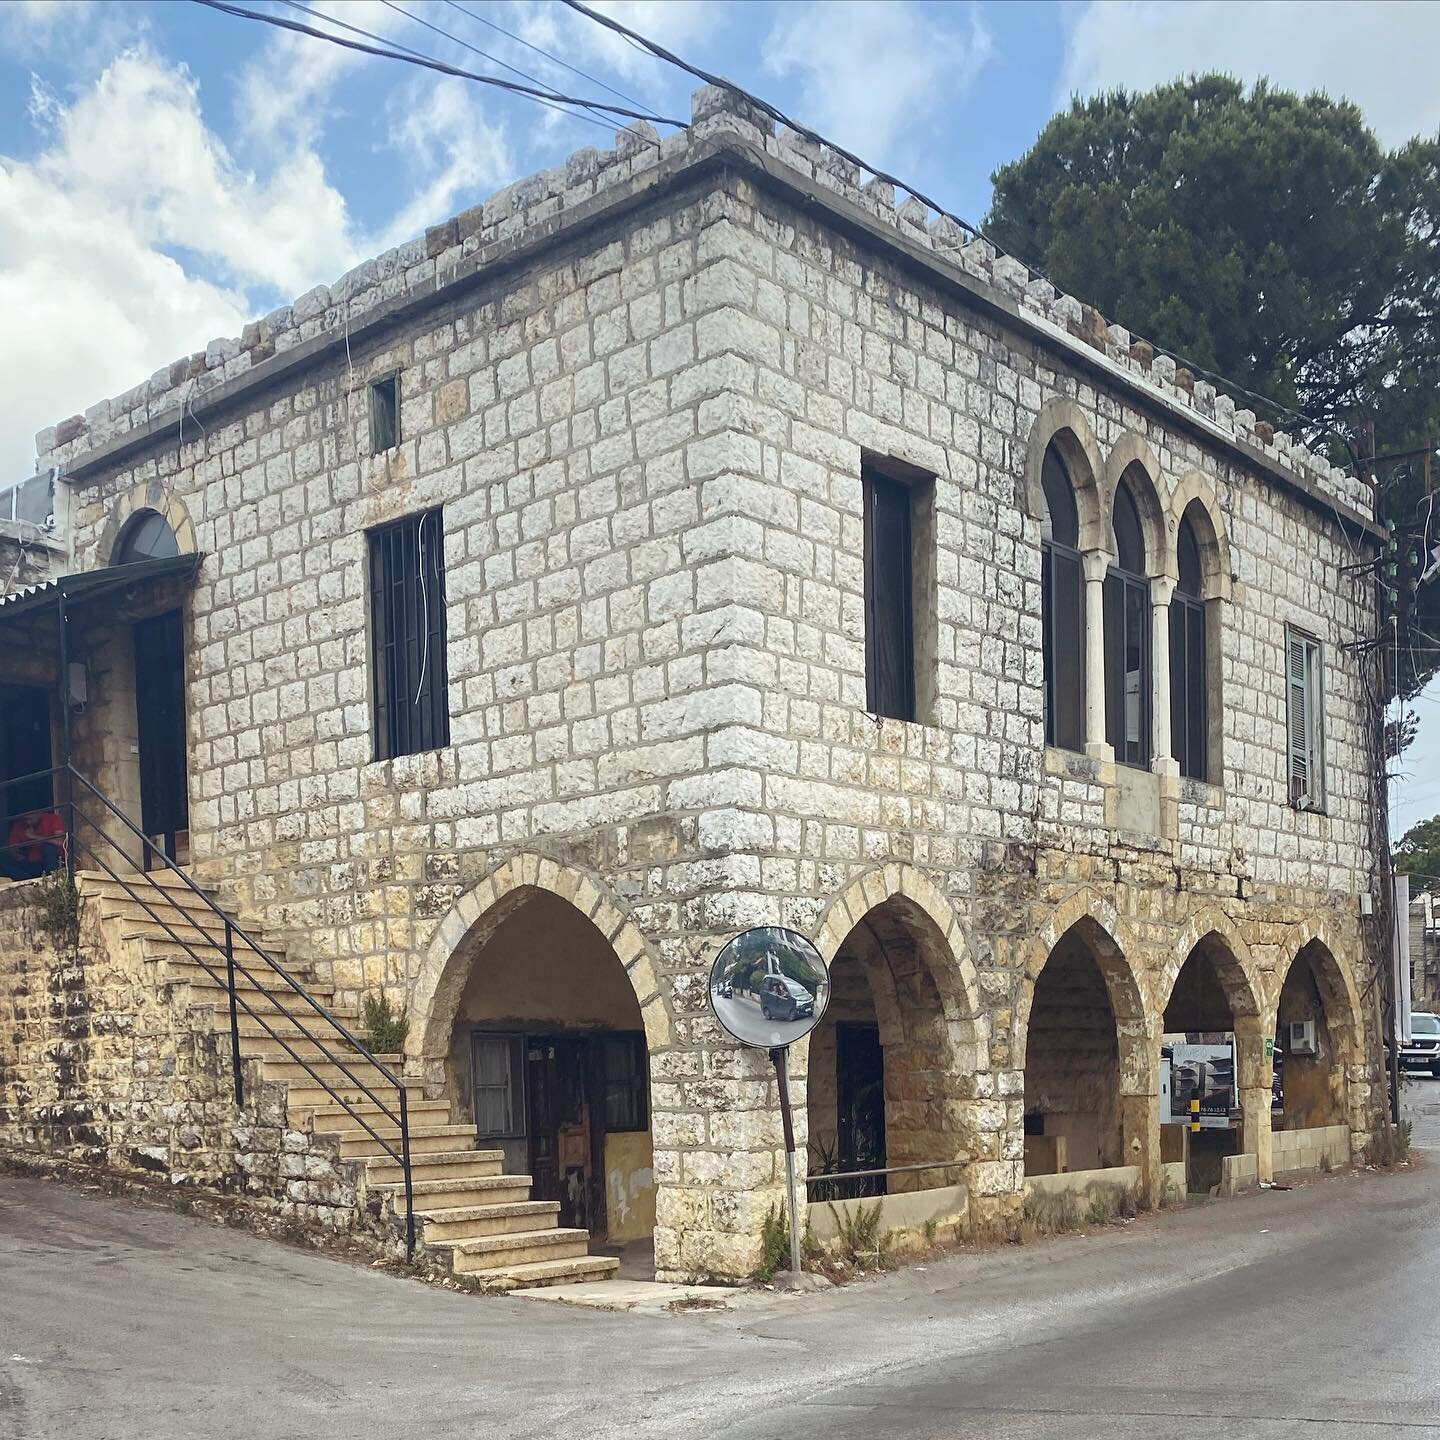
column 99, row 1065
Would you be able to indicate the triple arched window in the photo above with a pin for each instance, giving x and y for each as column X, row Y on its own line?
column 1112, row 685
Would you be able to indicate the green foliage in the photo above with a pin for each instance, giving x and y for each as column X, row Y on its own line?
column 58, row 903
column 1418, row 853
column 774, row 1245
column 385, row 1029
column 1389, row 1145
column 1266, row 237
column 931, row 1228
column 1052, row 1214
column 1102, row 1212
column 862, row 1242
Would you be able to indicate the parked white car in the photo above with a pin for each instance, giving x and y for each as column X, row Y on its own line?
column 1423, row 1051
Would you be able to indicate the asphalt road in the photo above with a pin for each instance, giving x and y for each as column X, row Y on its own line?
column 1305, row 1312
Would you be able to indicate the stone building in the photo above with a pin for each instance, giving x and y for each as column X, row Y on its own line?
column 691, row 538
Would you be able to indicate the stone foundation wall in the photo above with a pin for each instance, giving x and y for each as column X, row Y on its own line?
column 98, row 1065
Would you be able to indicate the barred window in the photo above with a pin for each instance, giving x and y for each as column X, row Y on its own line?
column 407, row 636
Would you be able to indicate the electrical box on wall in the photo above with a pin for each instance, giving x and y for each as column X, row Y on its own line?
column 1302, row 1038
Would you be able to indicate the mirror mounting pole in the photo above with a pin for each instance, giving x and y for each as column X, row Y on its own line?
column 778, row 1057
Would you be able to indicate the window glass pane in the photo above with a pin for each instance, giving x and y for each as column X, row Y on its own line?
column 1062, row 520
column 1197, row 694
column 625, row 1096
column 1064, row 637
column 1188, row 557
column 1129, row 538
column 889, row 628
column 1114, row 663
column 495, row 1108
column 1179, row 708
column 1137, row 679
column 147, row 537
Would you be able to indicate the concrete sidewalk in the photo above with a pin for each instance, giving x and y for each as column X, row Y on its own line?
column 1269, row 1315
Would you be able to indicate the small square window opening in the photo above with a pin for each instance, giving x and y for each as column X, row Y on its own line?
column 384, row 414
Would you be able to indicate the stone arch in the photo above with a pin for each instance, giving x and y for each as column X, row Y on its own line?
column 1214, row 546
column 1238, row 973
column 959, row 987
column 478, row 913
column 1097, row 921
column 1099, row 1092
column 1062, row 422
column 1131, row 457
column 157, row 495
column 893, row 926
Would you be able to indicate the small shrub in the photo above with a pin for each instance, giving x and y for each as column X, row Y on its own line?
column 1389, row 1145
column 385, row 1029
column 1326, row 1164
column 774, row 1245
column 58, row 902
column 1102, row 1211
column 861, row 1240
column 931, row 1228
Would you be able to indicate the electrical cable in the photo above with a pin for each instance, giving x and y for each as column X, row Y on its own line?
column 494, row 60
column 540, row 50
column 387, row 51
column 764, row 106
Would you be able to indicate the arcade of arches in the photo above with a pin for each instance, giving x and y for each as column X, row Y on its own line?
column 546, row 1054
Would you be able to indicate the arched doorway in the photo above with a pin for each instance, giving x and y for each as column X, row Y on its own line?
column 882, row 1065
column 547, row 1057
column 1214, row 1072
column 1315, row 1034
column 1086, row 1077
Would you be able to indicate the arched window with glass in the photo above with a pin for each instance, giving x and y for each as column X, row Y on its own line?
column 1189, row 679
column 147, row 536
column 1062, row 607
column 1127, row 635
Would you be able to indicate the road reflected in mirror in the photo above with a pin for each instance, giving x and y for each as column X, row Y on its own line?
column 769, row 986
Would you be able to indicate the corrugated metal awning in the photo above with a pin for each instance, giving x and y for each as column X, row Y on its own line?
column 89, row 586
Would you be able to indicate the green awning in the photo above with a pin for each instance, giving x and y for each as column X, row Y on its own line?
column 88, row 586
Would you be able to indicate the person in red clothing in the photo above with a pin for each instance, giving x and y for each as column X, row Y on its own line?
column 35, row 845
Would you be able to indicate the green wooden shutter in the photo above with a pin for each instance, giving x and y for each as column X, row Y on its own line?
column 1299, row 710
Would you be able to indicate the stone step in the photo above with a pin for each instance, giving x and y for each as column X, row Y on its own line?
column 441, row 1165
column 276, row 997
column 196, row 930
column 486, row 1254
column 356, row 1143
column 466, row 1222
column 157, row 945
column 168, row 900
column 281, row 1065
column 472, row 1190
column 288, row 1041
column 98, row 882
column 330, row 1118
column 550, row 1272
column 307, row 1100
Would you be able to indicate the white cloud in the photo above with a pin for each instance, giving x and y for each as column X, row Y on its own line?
column 872, row 69
column 450, row 148
column 1380, row 54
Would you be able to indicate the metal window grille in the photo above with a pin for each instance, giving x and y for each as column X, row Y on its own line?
column 1189, row 687
column 1127, row 667
column 626, row 1106
column 407, row 636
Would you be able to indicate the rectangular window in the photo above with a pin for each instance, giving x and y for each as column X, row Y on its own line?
column 1062, row 618
column 1127, row 668
column 626, row 1098
column 384, row 414
column 1189, row 692
column 1305, row 716
column 499, row 1088
column 889, row 598
column 407, row 636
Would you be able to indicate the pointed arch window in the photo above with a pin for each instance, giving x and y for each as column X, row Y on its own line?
column 1062, row 607
column 1189, row 675
column 147, row 536
column 1127, row 636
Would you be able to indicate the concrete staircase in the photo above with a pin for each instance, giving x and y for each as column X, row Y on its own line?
column 466, row 1210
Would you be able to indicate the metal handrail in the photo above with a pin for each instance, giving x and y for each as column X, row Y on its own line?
column 399, row 1115
column 957, row 1164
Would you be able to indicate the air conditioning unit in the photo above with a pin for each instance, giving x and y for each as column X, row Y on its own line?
column 1302, row 1038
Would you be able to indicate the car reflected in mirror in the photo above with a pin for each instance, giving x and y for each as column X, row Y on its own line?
column 769, row 986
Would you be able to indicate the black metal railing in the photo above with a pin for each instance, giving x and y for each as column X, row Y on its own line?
column 238, row 954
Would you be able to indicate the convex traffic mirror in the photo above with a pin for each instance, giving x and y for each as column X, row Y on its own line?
column 769, row 986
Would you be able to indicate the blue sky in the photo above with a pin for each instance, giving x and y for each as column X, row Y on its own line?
column 167, row 171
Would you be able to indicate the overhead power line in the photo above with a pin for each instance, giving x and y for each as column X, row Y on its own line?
column 388, row 51
column 765, row 107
